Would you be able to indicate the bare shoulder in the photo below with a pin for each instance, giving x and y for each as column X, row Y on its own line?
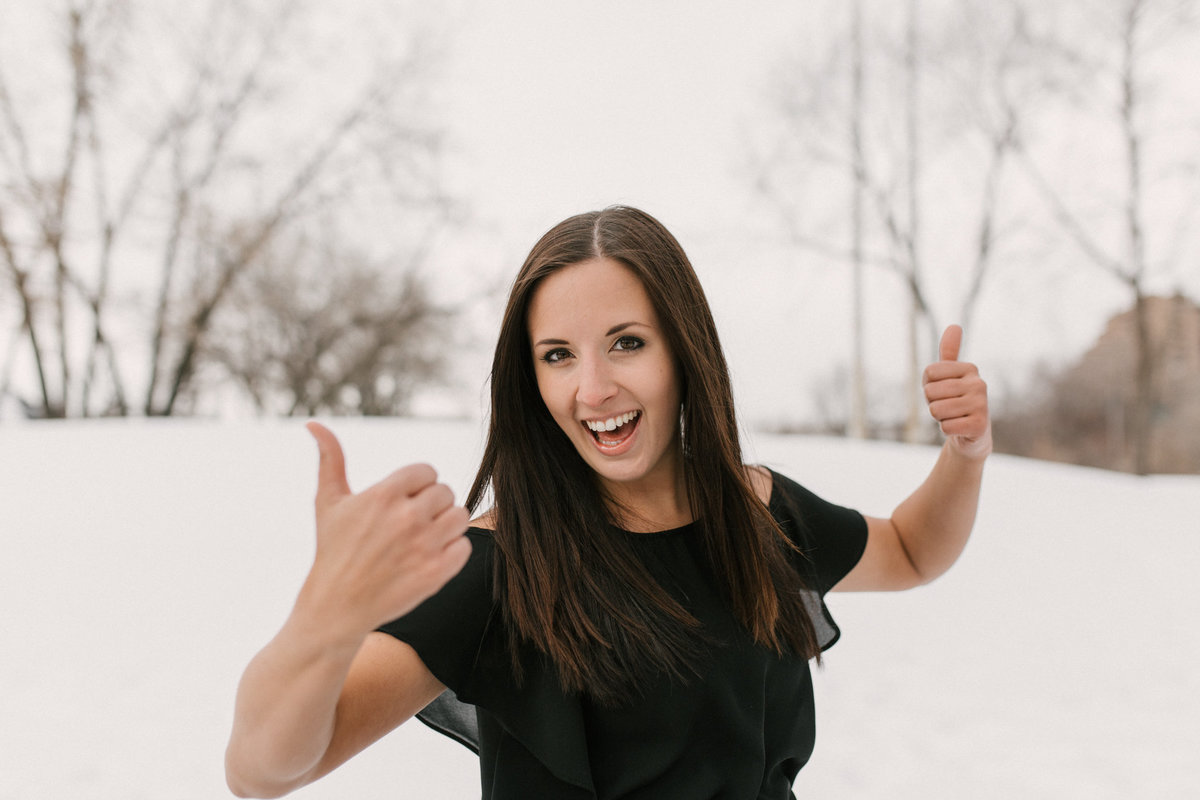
column 760, row 480
column 486, row 520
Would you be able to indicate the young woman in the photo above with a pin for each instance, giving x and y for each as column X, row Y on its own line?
column 633, row 614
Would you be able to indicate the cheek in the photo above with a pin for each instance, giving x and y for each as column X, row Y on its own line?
column 554, row 396
column 669, row 385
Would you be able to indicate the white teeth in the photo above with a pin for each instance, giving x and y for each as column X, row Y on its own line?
column 612, row 423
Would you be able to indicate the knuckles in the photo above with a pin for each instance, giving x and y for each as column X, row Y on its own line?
column 408, row 480
column 394, row 544
column 949, row 370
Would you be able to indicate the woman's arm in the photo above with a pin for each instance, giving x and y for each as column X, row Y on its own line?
column 325, row 687
column 303, row 709
column 928, row 530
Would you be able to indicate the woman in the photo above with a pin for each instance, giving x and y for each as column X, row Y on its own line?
column 634, row 614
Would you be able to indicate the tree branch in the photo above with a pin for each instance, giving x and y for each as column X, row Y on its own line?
column 20, row 280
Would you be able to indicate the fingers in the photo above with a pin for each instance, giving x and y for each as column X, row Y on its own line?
column 408, row 481
column 453, row 522
column 331, row 470
column 959, row 407
column 453, row 558
column 956, row 394
column 951, row 343
column 415, row 501
column 431, row 502
column 436, row 571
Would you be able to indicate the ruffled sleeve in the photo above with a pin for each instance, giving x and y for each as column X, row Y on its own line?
column 459, row 636
column 831, row 540
column 449, row 631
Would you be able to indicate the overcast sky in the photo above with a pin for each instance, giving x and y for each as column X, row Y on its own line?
column 565, row 107
column 556, row 108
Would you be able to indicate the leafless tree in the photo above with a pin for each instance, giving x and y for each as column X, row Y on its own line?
column 316, row 329
column 859, row 421
column 1123, row 52
column 929, row 114
column 180, row 142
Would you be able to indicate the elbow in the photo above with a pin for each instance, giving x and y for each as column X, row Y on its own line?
column 237, row 787
column 923, row 567
column 241, row 788
column 927, row 571
column 926, row 576
column 242, row 784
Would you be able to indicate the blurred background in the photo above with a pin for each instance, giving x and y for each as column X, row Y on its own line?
column 220, row 217
column 238, row 209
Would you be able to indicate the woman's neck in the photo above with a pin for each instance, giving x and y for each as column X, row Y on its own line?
column 655, row 503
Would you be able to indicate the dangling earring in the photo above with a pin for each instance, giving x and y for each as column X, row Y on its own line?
column 684, row 446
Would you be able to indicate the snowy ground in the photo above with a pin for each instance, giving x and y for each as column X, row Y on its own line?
column 143, row 563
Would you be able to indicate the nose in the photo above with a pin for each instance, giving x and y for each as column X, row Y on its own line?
column 596, row 384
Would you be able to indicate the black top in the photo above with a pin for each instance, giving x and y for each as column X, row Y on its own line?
column 742, row 730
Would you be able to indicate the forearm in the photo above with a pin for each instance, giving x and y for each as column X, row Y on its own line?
column 286, row 708
column 935, row 521
column 323, row 688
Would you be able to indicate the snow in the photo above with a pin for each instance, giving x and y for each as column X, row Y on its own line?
column 142, row 563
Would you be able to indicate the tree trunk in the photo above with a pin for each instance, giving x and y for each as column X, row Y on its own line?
column 1141, row 423
column 857, row 426
column 912, row 423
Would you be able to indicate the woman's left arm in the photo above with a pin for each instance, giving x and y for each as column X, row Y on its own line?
column 928, row 531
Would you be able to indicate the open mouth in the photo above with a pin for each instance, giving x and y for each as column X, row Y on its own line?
column 614, row 430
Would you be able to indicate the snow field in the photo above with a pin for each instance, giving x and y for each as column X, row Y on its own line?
column 142, row 563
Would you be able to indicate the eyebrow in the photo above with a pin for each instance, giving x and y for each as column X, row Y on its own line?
column 609, row 332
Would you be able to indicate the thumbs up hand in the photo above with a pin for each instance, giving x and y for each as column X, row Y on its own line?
column 383, row 551
column 957, row 399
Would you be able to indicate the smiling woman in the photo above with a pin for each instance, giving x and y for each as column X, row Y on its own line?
column 611, row 388
column 636, row 612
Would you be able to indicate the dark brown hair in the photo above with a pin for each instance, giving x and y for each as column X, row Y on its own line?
column 566, row 581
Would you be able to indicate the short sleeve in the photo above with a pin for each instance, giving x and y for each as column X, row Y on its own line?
column 458, row 633
column 831, row 538
column 450, row 629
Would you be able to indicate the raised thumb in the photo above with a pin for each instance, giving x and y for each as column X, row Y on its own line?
column 331, row 471
column 951, row 343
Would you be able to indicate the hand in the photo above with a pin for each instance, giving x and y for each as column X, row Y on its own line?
column 957, row 399
column 381, row 552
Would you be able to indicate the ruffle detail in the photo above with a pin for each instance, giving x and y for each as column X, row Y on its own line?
column 540, row 717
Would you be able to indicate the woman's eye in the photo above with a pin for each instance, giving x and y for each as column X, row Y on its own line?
column 555, row 356
column 628, row 343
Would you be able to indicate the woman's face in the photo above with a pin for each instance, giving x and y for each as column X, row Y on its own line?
column 605, row 371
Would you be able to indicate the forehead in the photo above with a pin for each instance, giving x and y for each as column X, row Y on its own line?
column 596, row 293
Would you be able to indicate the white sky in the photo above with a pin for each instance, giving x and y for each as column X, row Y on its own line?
column 573, row 106
column 557, row 108
column 645, row 104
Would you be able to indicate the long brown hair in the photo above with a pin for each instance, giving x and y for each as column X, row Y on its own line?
column 567, row 582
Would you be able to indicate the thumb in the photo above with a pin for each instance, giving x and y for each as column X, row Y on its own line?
column 331, row 472
column 951, row 343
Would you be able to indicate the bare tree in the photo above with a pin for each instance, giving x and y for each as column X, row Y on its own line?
column 318, row 329
column 908, row 154
column 180, row 143
column 1119, row 96
column 859, row 421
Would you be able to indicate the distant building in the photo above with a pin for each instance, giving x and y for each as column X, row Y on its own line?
column 1087, row 416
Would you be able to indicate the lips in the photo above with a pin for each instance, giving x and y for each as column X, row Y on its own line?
column 611, row 435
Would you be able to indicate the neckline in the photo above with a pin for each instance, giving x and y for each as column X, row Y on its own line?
column 666, row 532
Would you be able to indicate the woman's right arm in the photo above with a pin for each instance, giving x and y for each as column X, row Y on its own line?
column 326, row 686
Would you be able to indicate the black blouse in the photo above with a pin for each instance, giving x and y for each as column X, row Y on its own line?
column 742, row 730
